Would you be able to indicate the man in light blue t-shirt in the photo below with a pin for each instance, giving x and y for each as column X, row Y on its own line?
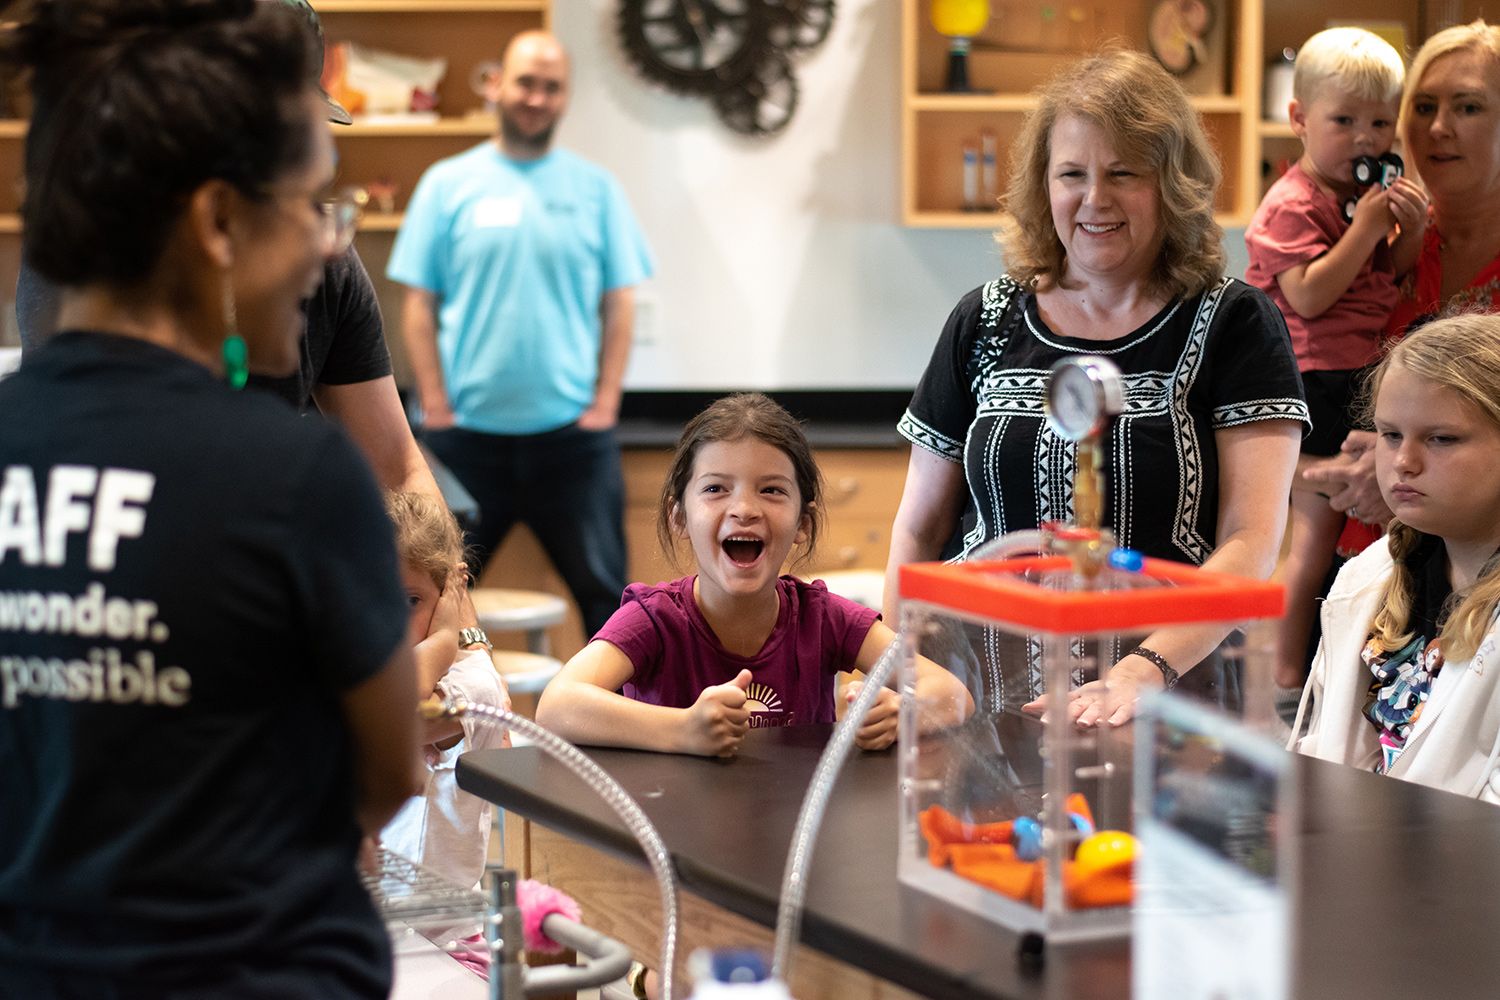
column 520, row 262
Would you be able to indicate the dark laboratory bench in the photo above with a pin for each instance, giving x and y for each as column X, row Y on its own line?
column 1400, row 892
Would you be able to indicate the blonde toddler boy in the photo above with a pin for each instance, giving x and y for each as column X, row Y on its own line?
column 1334, row 279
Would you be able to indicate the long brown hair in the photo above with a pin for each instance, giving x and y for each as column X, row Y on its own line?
column 1461, row 353
column 733, row 418
column 1148, row 121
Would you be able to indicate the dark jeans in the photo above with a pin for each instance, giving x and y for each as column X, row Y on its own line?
column 566, row 486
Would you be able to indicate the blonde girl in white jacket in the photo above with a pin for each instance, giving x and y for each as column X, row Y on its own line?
column 1405, row 681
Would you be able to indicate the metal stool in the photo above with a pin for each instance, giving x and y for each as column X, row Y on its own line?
column 525, row 673
column 529, row 611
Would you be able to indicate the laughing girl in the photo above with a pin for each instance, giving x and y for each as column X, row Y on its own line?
column 701, row 661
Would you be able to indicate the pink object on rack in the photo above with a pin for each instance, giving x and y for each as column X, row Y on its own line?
column 537, row 901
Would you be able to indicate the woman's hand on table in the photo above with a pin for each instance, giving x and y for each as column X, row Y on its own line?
column 1109, row 703
column 878, row 731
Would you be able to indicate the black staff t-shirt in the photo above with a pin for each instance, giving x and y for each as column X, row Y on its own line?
column 190, row 578
column 345, row 341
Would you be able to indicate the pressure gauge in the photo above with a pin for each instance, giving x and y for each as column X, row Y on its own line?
column 1083, row 393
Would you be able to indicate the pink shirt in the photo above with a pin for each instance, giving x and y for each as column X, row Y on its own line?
column 1294, row 224
column 676, row 655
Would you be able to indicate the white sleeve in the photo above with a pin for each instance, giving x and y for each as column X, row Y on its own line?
column 474, row 678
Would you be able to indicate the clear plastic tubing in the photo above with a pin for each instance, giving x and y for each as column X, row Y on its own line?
column 810, row 818
column 619, row 800
column 1013, row 544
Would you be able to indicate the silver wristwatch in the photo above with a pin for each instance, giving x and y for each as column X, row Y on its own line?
column 470, row 636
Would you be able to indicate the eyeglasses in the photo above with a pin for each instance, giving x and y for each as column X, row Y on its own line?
column 341, row 214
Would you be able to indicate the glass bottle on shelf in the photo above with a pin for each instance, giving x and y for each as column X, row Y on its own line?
column 1278, row 91
column 971, row 201
column 989, row 180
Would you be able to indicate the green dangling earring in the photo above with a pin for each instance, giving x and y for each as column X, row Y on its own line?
column 236, row 369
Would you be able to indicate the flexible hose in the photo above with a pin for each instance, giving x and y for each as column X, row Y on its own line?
column 609, row 790
column 1012, row 544
column 810, row 817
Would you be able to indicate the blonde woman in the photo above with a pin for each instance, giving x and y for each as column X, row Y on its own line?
column 1404, row 682
column 1450, row 130
column 1111, row 248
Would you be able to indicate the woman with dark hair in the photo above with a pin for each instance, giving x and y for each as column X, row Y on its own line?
column 1111, row 248
column 205, row 699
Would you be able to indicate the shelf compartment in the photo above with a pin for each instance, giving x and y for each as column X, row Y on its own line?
column 937, row 150
column 1207, row 104
column 973, row 102
column 427, row 6
column 363, row 161
column 478, row 125
column 465, row 36
column 1040, row 37
column 937, row 155
column 379, row 222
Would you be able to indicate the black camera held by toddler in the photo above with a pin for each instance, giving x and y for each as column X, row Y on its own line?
column 1371, row 170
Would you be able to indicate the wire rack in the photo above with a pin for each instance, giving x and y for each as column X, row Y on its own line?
column 408, row 896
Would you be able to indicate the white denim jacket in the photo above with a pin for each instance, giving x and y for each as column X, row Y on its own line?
column 1455, row 745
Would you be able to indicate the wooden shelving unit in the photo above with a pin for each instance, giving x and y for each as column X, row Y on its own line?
column 1252, row 150
column 466, row 33
column 470, row 125
column 379, row 222
column 427, row 6
column 935, row 124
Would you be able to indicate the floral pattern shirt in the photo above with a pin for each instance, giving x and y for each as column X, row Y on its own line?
column 1402, row 685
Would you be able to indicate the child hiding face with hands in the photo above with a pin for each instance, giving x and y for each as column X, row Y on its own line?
column 445, row 829
column 699, row 662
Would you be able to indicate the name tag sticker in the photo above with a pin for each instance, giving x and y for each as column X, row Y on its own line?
column 497, row 213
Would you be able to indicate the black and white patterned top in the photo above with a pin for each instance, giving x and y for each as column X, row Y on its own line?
column 1220, row 359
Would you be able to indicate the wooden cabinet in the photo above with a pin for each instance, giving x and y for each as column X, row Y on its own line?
column 1035, row 39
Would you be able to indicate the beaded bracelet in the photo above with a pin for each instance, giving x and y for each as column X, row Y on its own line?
column 1168, row 675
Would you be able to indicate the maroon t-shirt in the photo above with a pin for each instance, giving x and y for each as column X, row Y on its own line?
column 1296, row 223
column 676, row 655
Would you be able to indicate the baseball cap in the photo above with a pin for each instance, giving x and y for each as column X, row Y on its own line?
column 336, row 112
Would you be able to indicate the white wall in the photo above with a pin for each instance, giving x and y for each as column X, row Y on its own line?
column 782, row 263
